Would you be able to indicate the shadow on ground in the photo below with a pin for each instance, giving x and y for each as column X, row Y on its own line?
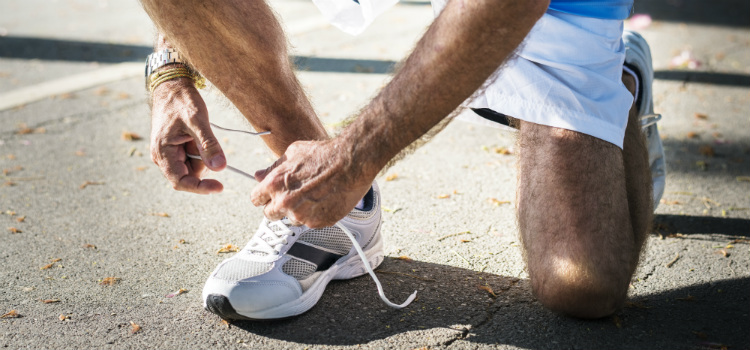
column 453, row 308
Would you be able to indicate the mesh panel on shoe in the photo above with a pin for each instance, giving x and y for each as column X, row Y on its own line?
column 331, row 238
column 298, row 269
column 238, row 269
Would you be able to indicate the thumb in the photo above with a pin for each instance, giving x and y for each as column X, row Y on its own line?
column 209, row 148
column 261, row 174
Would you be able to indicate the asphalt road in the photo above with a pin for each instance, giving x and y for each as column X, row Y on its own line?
column 74, row 189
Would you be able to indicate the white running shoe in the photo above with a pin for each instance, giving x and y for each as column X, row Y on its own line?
column 638, row 59
column 284, row 269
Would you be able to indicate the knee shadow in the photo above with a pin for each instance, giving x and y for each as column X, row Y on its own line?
column 450, row 308
column 687, row 224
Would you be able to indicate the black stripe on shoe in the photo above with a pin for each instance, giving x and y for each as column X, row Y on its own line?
column 320, row 258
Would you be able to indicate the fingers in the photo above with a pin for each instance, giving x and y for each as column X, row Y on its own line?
column 207, row 144
column 182, row 173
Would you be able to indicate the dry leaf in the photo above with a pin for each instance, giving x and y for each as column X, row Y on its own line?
column 80, row 153
column 62, row 317
column 692, row 135
column 21, row 218
column 391, row 177
column 464, row 240
column 174, row 294
column 496, row 201
column 617, row 321
column 134, row 328
column 14, row 230
column 89, row 183
column 723, row 252
column 443, row 196
column 226, row 323
column 668, row 202
column 91, row 246
column 51, row 301
column 10, row 212
column 47, row 266
column 229, row 248
column 11, row 314
column 707, row 151
column 404, row 258
column 56, row 260
column 141, row 168
column 9, row 184
column 10, row 156
column 487, row 289
column 123, row 96
column 110, row 281
column 130, row 136
column 164, row 215
column 700, row 116
column 502, row 150
column 66, row 96
column 182, row 241
column 101, row 91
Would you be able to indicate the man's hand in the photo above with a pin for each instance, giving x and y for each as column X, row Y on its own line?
column 179, row 126
column 314, row 183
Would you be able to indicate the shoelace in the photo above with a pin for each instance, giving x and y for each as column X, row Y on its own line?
column 271, row 242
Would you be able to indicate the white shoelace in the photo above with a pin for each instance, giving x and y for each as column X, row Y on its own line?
column 271, row 242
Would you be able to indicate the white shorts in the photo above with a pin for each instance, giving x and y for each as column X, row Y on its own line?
column 567, row 73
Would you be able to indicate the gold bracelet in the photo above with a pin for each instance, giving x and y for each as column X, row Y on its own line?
column 173, row 73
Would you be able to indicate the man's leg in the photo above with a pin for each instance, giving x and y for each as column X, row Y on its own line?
column 584, row 209
column 240, row 47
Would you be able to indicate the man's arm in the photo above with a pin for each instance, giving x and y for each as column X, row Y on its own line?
column 317, row 183
column 179, row 125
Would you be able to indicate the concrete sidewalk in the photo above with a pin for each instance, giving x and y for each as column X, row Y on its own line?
column 77, row 191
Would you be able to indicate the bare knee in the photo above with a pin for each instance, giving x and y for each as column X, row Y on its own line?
column 577, row 290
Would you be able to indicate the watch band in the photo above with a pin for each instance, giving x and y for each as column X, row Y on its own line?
column 161, row 58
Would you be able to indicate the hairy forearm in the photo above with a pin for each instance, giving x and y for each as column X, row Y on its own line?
column 462, row 48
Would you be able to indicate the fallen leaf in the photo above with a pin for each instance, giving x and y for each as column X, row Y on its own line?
column 700, row 116
column 391, row 177
column 740, row 240
column 9, row 184
column 676, row 235
column 639, row 21
column 56, row 260
column 134, row 328
column 404, row 258
column 729, row 246
column 669, row 264
column 226, row 323
column 10, row 156
column 62, row 317
column 21, row 218
column 14, row 230
column 707, row 151
column 11, row 314
column 700, row 334
column 89, row 246
column 174, row 294
column 182, row 241
column 110, row 281
column 101, row 91
column 229, row 248
column 487, row 289
column 90, row 183
column 10, row 212
column 692, row 135
column 723, row 252
column 464, row 240
column 47, row 266
column 130, row 136
column 444, row 196
column 80, row 153
column 502, row 150
column 50, row 301
column 123, row 96
column 164, row 215
column 141, row 168
column 668, row 202
column 617, row 321
column 66, row 96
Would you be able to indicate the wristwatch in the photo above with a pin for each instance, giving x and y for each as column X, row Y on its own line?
column 161, row 58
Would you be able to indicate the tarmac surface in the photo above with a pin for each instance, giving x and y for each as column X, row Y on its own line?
column 80, row 203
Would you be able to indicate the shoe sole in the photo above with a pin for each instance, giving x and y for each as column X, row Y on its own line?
column 346, row 268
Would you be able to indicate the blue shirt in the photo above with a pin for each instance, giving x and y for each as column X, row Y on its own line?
column 605, row 9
